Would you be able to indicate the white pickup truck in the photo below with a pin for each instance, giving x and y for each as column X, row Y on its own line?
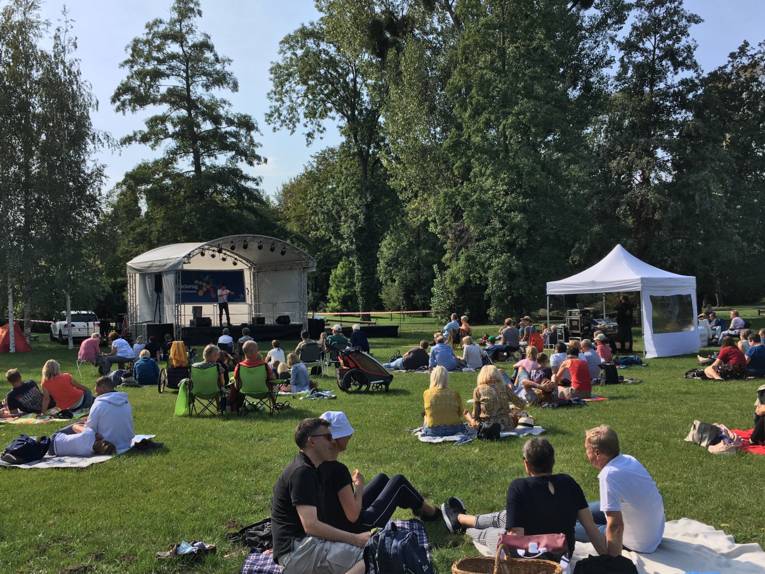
column 83, row 325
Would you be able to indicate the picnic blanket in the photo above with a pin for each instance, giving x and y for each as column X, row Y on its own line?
column 33, row 419
column 471, row 435
column 50, row 461
column 747, row 447
column 692, row 546
column 263, row 563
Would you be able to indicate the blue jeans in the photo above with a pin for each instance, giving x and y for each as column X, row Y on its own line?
column 443, row 430
column 396, row 365
column 600, row 521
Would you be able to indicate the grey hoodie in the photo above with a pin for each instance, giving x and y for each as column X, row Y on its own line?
column 112, row 418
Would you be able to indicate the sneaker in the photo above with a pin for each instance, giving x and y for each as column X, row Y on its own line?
column 450, row 510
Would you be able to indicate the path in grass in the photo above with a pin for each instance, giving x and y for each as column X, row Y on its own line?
column 215, row 472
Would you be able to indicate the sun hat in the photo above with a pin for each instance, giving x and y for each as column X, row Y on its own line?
column 339, row 425
column 526, row 422
column 601, row 337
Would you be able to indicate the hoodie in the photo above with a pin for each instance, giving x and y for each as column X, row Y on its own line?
column 112, row 418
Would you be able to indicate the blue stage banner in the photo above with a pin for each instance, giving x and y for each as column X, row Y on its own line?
column 202, row 286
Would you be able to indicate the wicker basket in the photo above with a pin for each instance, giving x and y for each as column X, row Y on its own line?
column 486, row 565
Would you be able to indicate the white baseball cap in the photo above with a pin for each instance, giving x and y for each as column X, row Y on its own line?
column 339, row 425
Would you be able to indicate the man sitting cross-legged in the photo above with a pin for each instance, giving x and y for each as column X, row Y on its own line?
column 630, row 511
column 303, row 543
column 347, row 503
column 542, row 503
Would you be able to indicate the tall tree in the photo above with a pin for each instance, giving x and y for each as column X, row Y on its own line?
column 327, row 72
column 206, row 147
column 657, row 66
column 51, row 183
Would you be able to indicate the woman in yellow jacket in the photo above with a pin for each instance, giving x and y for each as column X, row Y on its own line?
column 443, row 406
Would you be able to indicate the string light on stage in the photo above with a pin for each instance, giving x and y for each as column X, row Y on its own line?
column 212, row 255
column 202, row 253
column 223, row 258
column 283, row 251
column 244, row 244
column 235, row 263
column 260, row 245
column 273, row 247
column 233, row 246
column 220, row 249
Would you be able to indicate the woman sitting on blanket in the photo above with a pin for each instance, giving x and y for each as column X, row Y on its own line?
column 491, row 401
column 443, row 406
column 348, row 503
column 729, row 364
column 539, row 388
column 68, row 394
column 579, row 372
column 526, row 366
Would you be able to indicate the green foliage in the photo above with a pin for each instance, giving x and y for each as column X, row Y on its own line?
column 342, row 289
column 51, row 184
column 200, row 187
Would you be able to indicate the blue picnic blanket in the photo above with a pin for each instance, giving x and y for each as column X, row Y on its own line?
column 259, row 563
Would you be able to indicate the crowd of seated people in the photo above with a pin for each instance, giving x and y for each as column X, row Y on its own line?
column 322, row 514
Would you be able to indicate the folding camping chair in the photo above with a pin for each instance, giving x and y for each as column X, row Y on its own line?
column 310, row 355
column 255, row 389
column 81, row 363
column 205, row 391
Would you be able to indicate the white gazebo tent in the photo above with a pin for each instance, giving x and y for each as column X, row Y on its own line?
column 274, row 280
column 668, row 300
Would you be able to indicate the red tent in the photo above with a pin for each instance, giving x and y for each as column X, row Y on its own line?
column 5, row 339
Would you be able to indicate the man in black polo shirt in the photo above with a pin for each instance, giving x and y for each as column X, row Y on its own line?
column 302, row 543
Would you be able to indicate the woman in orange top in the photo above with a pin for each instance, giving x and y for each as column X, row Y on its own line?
column 68, row 394
column 579, row 371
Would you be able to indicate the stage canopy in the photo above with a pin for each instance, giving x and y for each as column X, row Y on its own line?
column 668, row 300
column 173, row 283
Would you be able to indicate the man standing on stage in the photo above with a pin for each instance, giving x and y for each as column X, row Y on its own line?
column 223, row 294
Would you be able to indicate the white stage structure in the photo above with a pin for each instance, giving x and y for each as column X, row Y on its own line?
column 273, row 276
column 668, row 300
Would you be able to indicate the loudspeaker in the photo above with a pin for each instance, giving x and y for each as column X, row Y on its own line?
column 158, row 282
column 196, row 311
column 259, row 320
column 201, row 322
column 282, row 320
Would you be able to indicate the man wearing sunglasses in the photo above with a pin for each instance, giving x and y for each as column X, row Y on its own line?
column 303, row 543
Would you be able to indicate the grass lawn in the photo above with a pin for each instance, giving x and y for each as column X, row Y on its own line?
column 219, row 472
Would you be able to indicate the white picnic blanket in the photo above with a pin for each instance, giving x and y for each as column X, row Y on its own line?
column 50, row 461
column 692, row 546
column 466, row 437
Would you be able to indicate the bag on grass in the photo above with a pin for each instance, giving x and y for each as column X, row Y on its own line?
column 703, row 434
column 608, row 374
column 542, row 546
column 256, row 536
column 24, row 449
column 489, row 431
column 394, row 551
column 182, row 401
column 697, row 374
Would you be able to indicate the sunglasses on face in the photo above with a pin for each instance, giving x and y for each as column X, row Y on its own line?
column 327, row 435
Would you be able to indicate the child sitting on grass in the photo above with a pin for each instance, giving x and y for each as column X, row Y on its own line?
column 24, row 397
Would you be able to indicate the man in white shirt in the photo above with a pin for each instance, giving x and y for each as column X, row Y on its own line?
column 121, row 353
column 226, row 341
column 223, row 294
column 630, row 511
column 592, row 358
column 736, row 324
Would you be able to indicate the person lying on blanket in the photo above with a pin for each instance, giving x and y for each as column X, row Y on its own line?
column 85, row 443
column 110, row 416
column 302, row 541
column 542, row 503
column 630, row 511
column 24, row 397
column 348, row 503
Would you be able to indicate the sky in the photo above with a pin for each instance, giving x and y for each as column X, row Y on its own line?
column 248, row 32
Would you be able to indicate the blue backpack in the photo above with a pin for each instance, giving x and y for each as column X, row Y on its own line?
column 393, row 551
column 25, row 449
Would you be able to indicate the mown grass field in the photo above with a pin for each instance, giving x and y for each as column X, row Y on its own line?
column 218, row 472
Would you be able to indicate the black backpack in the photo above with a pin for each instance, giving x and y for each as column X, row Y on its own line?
column 394, row 551
column 26, row 449
column 608, row 374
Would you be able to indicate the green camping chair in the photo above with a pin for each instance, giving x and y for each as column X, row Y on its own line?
column 255, row 389
column 205, row 391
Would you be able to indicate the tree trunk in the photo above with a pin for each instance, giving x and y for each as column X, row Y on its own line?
column 27, row 298
column 11, row 333
column 70, row 343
